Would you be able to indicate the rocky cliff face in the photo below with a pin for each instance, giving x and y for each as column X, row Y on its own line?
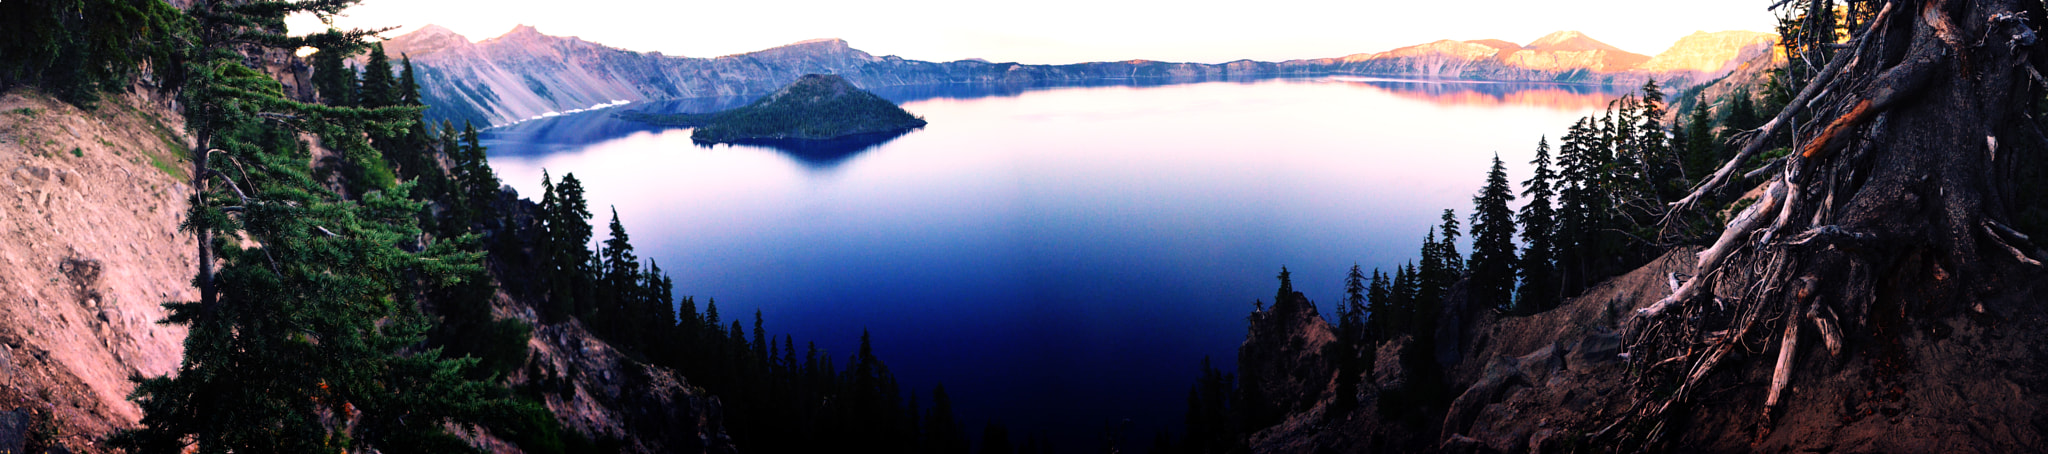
column 525, row 74
column 1703, row 57
column 1283, row 362
column 1567, row 56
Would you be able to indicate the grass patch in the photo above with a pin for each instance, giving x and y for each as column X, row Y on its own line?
column 77, row 152
column 25, row 111
column 175, row 171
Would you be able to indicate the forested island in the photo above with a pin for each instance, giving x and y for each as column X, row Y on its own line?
column 816, row 107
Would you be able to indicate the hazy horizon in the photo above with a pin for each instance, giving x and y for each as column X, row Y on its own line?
column 1060, row 31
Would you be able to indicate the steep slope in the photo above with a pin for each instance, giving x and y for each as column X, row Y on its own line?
column 89, row 209
column 525, row 74
column 90, row 203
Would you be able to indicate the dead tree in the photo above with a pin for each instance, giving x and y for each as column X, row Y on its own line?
column 1900, row 192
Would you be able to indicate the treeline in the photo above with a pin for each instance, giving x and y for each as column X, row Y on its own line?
column 1594, row 209
column 778, row 396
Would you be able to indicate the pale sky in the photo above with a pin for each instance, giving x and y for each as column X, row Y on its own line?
column 1067, row 31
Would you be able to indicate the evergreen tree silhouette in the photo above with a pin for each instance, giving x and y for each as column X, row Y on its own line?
column 1493, row 242
column 1539, row 288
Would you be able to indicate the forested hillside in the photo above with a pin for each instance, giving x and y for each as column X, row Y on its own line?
column 358, row 278
column 1838, row 255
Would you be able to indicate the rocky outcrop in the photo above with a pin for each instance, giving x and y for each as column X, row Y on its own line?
column 526, row 75
column 1283, row 364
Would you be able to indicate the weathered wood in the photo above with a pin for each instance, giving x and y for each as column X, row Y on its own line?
column 1734, row 237
column 1830, row 329
column 1782, row 374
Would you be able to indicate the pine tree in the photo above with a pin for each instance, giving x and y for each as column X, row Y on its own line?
column 1493, row 242
column 379, row 89
column 1577, row 205
column 1701, row 150
column 1453, row 263
column 332, row 80
column 621, row 278
column 568, row 239
column 1539, row 290
column 1381, row 307
column 305, row 309
column 1286, row 292
column 1351, row 318
column 479, row 182
column 408, row 83
column 1427, row 278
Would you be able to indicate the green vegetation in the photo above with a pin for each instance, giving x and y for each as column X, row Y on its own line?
column 309, row 301
column 77, row 152
column 815, row 107
column 77, row 49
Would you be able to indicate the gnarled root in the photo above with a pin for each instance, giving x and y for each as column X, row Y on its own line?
column 1734, row 237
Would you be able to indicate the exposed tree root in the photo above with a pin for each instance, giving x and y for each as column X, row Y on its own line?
column 1893, row 167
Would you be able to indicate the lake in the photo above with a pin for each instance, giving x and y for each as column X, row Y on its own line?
column 1062, row 258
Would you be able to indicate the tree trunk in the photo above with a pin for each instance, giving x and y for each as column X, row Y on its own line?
column 1898, row 201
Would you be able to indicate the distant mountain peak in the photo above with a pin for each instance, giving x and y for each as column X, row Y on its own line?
column 522, row 29
column 825, row 41
column 1571, row 41
column 435, row 30
column 427, row 40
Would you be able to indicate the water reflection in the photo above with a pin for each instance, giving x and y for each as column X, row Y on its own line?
column 821, row 154
column 1568, row 97
column 550, row 135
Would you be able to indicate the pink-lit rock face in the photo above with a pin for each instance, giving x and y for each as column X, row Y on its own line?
column 526, row 74
column 1717, row 52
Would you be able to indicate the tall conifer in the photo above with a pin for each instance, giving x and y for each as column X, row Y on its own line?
column 1539, row 229
column 1493, row 241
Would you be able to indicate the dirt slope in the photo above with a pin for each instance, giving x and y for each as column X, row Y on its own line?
column 1958, row 381
column 88, row 249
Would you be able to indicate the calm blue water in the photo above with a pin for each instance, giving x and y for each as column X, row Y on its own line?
column 1062, row 258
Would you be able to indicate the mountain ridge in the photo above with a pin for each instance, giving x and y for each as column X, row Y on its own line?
column 526, row 74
